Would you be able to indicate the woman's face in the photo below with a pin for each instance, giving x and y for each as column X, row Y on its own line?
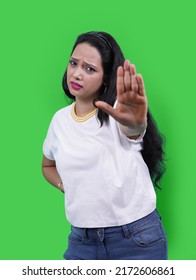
column 85, row 72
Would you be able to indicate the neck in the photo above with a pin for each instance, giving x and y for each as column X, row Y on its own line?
column 83, row 108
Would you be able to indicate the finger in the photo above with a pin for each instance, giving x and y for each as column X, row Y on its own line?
column 120, row 81
column 134, row 82
column 141, row 88
column 106, row 108
column 132, row 69
column 127, row 76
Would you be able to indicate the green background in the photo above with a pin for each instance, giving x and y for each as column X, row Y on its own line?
column 36, row 40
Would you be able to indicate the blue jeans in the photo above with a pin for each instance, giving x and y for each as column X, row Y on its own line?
column 144, row 239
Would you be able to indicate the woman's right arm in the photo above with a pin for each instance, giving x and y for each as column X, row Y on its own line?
column 50, row 173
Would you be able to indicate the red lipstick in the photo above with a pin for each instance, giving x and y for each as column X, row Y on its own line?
column 75, row 86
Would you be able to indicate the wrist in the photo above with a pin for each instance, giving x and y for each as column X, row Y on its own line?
column 133, row 131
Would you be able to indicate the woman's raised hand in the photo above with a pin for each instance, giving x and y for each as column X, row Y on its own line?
column 131, row 108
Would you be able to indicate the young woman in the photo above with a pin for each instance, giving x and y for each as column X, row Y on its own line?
column 105, row 153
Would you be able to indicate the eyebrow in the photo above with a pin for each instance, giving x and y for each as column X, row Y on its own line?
column 86, row 63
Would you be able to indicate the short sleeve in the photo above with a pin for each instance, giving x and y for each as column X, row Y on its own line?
column 139, row 139
column 48, row 142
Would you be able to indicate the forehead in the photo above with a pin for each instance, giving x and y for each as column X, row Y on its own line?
column 87, row 53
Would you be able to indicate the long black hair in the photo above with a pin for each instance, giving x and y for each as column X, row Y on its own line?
column 112, row 58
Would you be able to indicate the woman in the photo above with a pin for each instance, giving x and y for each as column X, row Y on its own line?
column 105, row 153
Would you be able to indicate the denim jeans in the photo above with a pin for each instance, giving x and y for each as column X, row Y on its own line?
column 144, row 239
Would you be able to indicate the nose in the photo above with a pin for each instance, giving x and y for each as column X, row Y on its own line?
column 78, row 73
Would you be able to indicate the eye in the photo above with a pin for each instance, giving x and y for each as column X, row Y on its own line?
column 72, row 62
column 90, row 69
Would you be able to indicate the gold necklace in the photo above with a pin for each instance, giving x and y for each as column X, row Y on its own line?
column 84, row 118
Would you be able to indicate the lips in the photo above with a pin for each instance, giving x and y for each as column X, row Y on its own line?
column 75, row 86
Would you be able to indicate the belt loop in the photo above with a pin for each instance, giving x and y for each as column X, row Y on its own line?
column 126, row 231
column 85, row 236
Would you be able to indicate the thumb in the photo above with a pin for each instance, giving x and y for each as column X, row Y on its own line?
column 105, row 107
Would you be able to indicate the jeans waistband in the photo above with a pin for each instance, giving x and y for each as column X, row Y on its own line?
column 123, row 230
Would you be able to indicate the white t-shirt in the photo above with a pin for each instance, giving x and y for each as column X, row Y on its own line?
column 105, row 178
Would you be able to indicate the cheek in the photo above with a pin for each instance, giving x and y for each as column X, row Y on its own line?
column 69, row 72
column 68, row 79
column 96, row 83
column 99, row 81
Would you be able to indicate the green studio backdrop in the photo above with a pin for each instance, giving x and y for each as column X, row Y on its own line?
column 36, row 40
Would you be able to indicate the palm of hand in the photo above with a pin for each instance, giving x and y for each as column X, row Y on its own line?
column 131, row 108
